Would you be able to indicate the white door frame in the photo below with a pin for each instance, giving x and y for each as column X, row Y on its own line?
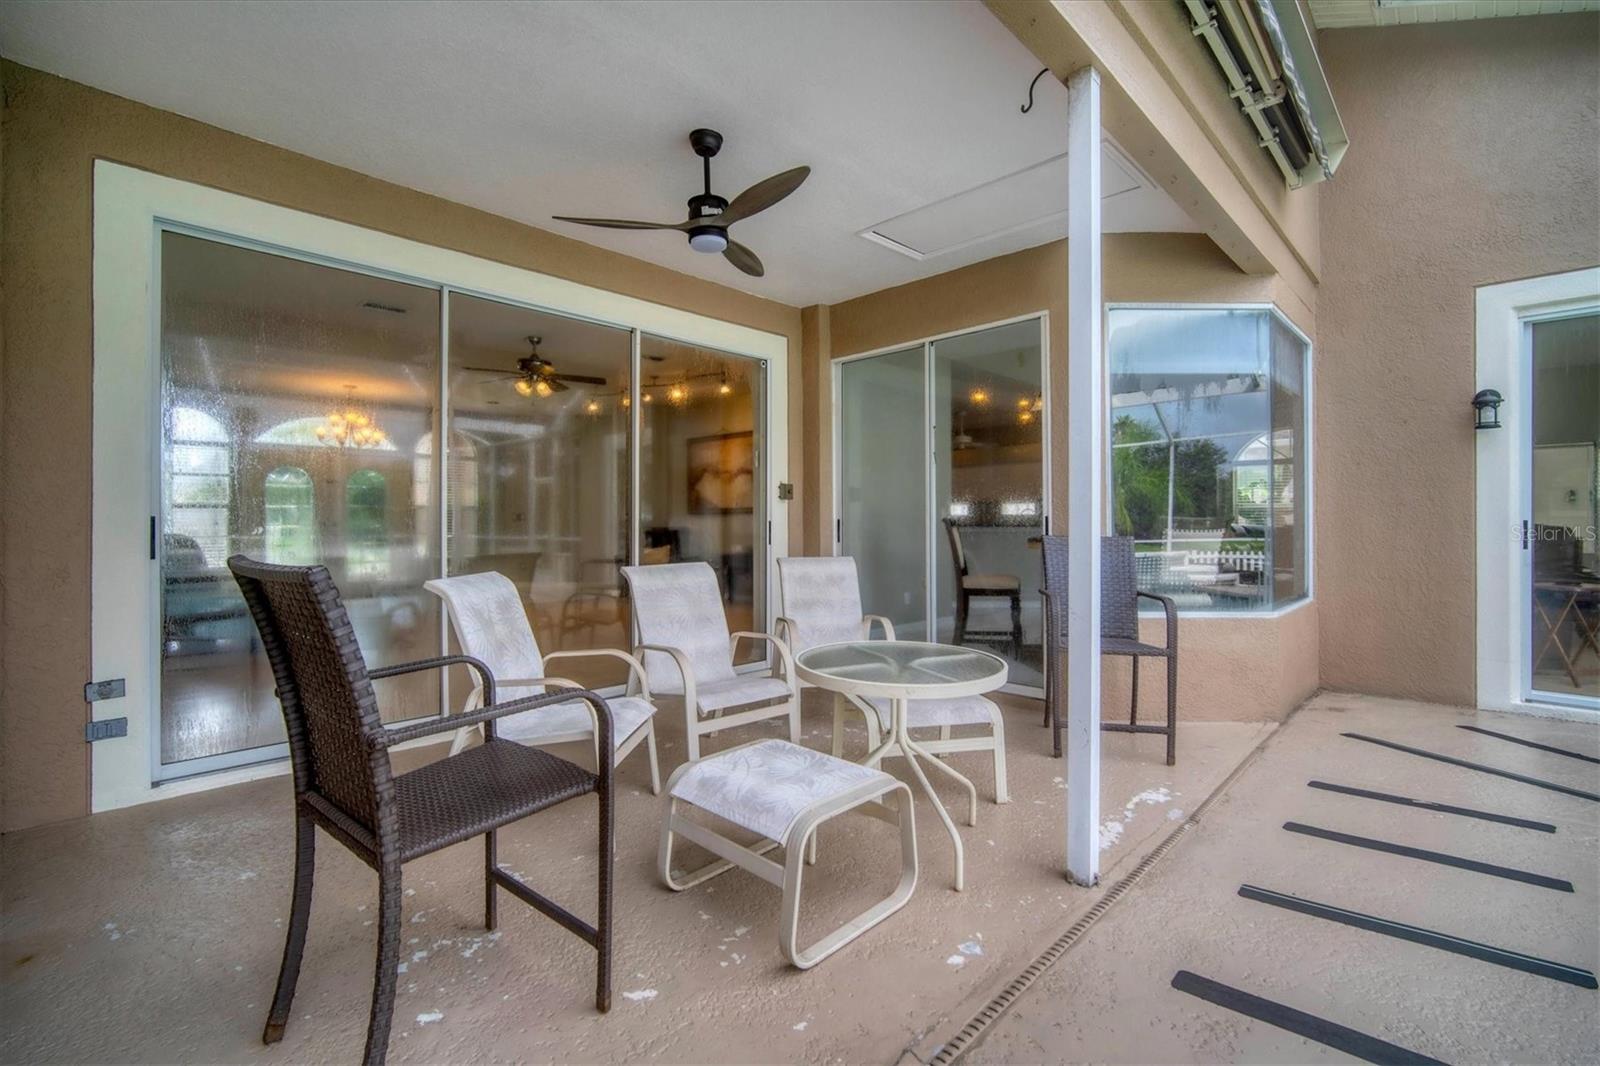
column 1505, row 314
column 131, row 208
column 931, row 530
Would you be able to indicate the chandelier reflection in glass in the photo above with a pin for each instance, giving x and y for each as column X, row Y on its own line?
column 351, row 426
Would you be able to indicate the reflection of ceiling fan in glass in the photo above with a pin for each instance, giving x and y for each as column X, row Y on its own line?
column 536, row 376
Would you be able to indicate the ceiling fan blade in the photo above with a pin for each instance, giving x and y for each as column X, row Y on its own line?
column 501, row 374
column 554, row 381
column 622, row 223
column 579, row 379
column 763, row 194
column 744, row 259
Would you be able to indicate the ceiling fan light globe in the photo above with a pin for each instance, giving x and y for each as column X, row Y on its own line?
column 542, row 387
column 523, row 386
column 710, row 241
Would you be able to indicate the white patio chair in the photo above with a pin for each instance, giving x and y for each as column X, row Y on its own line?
column 821, row 604
column 682, row 635
column 486, row 613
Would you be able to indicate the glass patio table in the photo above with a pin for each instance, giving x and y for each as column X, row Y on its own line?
column 901, row 671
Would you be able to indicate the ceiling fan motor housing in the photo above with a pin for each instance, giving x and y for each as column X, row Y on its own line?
column 707, row 238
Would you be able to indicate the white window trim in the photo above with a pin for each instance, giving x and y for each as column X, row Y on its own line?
column 1277, row 610
column 1504, row 314
column 131, row 208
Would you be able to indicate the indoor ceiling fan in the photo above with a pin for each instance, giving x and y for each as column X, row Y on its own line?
column 710, row 215
column 536, row 376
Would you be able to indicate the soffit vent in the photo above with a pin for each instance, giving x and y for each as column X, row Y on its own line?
column 1031, row 199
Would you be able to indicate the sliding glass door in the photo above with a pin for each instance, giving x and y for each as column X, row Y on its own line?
column 296, row 403
column 941, row 488
column 537, row 483
column 1562, row 521
column 397, row 432
column 701, row 442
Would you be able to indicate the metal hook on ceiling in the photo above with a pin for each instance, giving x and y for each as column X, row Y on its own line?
column 1029, row 105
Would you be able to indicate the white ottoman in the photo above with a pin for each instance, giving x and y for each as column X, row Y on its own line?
column 782, row 792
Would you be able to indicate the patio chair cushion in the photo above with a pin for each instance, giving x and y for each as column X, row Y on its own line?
column 628, row 714
column 1000, row 582
column 764, row 787
column 822, row 597
column 1124, row 646
column 460, row 797
column 678, row 605
column 739, row 690
column 490, row 623
column 966, row 710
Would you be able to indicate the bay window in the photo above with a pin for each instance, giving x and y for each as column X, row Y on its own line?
column 1208, row 453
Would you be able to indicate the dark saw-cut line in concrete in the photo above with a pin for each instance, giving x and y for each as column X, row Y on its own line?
column 1442, row 808
column 1341, row 1037
column 1496, row 771
column 1472, row 949
column 1530, row 743
column 1439, row 857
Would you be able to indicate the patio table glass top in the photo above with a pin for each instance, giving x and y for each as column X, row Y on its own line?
column 901, row 668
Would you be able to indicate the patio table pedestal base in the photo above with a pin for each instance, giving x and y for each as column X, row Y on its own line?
column 900, row 737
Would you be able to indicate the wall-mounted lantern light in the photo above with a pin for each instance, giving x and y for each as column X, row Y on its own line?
column 1486, row 407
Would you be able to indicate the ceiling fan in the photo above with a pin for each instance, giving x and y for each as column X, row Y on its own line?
column 536, row 376
column 710, row 215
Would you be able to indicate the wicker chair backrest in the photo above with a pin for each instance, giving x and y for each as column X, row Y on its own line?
column 1119, row 586
column 329, row 709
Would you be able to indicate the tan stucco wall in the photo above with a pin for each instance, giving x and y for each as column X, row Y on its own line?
column 53, row 131
column 1473, row 160
column 1231, row 669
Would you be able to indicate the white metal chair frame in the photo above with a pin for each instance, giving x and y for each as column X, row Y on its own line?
column 869, row 798
column 700, row 723
column 994, row 741
column 638, row 684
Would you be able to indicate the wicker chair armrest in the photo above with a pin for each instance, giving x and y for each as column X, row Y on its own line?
column 485, row 678
column 635, row 667
column 1171, row 610
column 866, row 626
column 785, row 659
column 403, row 734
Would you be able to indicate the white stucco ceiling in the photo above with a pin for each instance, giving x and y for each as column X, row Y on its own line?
column 529, row 110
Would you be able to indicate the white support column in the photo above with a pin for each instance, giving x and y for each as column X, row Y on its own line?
column 1085, row 476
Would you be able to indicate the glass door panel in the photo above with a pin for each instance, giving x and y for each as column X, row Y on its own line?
column 989, row 493
column 1565, row 511
column 883, row 484
column 537, row 484
column 294, row 397
column 702, row 472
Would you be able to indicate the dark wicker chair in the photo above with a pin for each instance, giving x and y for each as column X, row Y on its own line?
column 970, row 586
column 1119, row 634
column 339, row 751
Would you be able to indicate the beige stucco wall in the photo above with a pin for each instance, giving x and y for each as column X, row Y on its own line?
column 1235, row 669
column 1473, row 160
column 53, row 131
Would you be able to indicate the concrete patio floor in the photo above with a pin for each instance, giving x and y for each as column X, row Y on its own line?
column 154, row 934
column 1110, row 999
